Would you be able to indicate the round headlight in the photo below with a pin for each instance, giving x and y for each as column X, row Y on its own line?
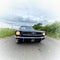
column 43, row 33
column 17, row 33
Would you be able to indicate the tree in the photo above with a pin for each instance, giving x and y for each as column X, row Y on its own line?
column 37, row 26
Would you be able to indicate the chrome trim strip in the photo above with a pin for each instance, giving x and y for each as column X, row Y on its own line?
column 28, row 37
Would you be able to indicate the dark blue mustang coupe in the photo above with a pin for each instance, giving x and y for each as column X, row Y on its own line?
column 28, row 34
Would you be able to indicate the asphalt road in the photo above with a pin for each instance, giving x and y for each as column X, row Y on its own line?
column 48, row 49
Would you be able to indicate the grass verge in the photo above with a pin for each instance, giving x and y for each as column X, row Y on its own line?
column 5, row 32
column 54, row 35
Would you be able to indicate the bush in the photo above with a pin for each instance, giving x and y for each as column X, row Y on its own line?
column 51, row 30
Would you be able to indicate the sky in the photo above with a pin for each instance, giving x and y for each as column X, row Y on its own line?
column 28, row 12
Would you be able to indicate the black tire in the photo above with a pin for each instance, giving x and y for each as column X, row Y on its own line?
column 20, row 41
column 38, row 41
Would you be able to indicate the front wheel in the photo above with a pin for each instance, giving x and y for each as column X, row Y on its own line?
column 17, row 41
column 38, row 41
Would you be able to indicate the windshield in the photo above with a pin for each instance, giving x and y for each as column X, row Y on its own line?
column 26, row 27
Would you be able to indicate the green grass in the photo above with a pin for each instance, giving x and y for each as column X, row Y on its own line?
column 54, row 35
column 5, row 32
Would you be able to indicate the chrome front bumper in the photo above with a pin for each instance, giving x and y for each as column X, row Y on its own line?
column 18, row 37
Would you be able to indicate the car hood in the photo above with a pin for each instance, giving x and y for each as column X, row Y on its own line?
column 31, row 30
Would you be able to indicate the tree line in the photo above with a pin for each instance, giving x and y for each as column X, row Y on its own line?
column 52, row 30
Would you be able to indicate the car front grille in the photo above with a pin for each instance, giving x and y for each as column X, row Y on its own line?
column 26, row 32
column 38, row 33
column 31, row 34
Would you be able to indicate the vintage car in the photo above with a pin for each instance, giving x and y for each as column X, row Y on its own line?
column 28, row 34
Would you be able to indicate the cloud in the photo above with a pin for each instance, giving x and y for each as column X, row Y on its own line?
column 29, row 11
column 4, row 25
column 46, row 8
